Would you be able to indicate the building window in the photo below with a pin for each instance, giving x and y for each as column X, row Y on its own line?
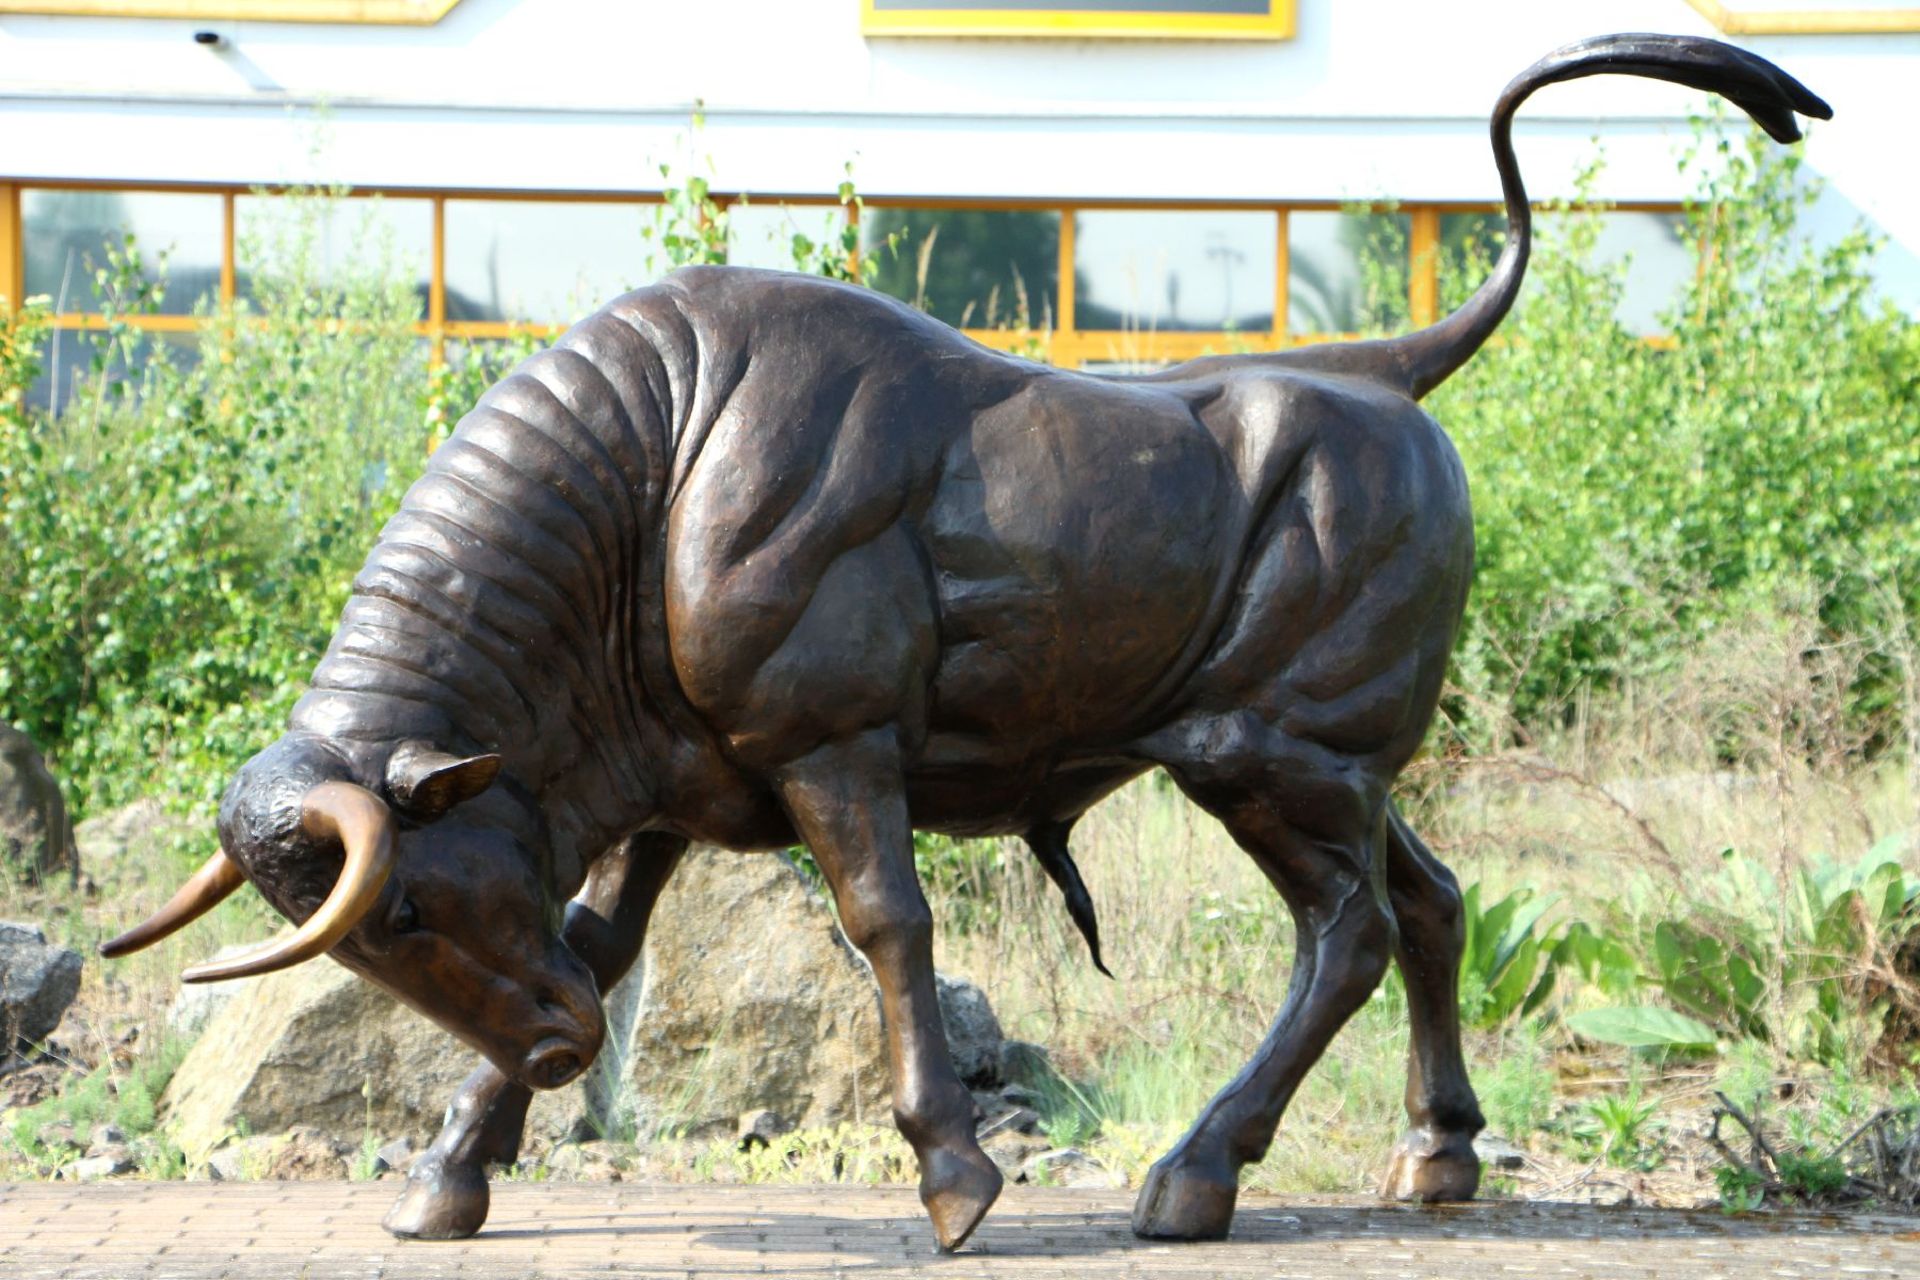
column 389, row 235
column 1098, row 284
column 1346, row 271
column 417, row 13
column 68, row 235
column 1654, row 247
column 550, row 262
column 973, row 268
column 1175, row 270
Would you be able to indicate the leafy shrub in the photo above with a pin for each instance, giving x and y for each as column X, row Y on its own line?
column 175, row 545
column 1631, row 499
column 1507, row 965
column 1799, row 961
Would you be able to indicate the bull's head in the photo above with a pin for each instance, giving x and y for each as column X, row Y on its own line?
column 424, row 878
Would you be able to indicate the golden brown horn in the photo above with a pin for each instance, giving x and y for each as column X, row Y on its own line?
column 363, row 825
column 210, row 886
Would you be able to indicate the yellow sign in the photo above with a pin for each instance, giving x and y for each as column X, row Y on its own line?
column 1080, row 19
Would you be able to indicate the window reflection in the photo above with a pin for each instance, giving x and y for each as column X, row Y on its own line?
column 762, row 235
column 543, row 261
column 326, row 240
column 67, row 363
column 1658, row 256
column 67, row 234
column 1346, row 271
column 1174, row 270
column 974, row 268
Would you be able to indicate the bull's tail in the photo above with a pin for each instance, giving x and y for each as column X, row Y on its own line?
column 1765, row 92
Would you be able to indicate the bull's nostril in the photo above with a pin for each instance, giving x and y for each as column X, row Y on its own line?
column 561, row 1069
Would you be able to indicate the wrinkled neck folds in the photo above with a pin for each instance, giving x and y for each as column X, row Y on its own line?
column 507, row 605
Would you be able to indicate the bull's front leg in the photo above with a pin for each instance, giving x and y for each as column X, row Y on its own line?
column 848, row 801
column 446, row 1196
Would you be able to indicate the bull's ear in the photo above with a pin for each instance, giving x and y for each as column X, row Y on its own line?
column 425, row 783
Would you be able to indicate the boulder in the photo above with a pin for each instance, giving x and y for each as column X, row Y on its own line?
column 1010, row 1150
column 38, row 980
column 748, row 999
column 317, row 1046
column 110, row 1162
column 973, row 1033
column 305, row 1154
column 36, row 840
column 132, row 830
column 194, row 1005
column 596, row 1161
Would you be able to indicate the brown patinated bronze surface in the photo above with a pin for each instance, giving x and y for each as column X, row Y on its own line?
column 754, row 558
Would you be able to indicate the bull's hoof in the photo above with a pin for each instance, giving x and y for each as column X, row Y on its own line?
column 957, row 1187
column 1185, row 1201
column 441, row 1202
column 1430, row 1166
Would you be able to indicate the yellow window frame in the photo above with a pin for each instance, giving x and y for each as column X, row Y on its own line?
column 1278, row 23
column 1065, row 344
column 401, row 13
column 1807, row 22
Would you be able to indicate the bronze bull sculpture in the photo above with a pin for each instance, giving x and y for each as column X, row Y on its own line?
column 753, row 558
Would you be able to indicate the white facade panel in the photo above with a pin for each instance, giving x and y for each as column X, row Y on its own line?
column 1372, row 99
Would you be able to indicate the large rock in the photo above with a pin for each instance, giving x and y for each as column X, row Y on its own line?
column 36, row 839
column 973, row 1033
column 749, row 999
column 38, row 980
column 133, row 830
column 317, row 1046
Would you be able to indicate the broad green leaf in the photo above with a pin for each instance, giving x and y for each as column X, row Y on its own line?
column 1642, row 1027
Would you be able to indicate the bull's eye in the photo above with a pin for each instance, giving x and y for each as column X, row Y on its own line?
column 406, row 918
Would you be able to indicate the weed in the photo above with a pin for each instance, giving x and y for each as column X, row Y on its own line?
column 1516, row 1086
column 1619, row 1128
column 1741, row 1189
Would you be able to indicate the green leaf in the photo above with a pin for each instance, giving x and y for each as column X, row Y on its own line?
column 1642, row 1027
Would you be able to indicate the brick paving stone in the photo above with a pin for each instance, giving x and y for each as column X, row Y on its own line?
column 331, row 1231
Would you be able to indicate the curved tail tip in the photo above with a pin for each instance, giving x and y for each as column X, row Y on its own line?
column 1776, row 116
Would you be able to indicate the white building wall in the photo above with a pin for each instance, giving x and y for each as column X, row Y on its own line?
column 1374, row 98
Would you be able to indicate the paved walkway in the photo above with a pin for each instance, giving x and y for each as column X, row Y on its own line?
column 331, row 1231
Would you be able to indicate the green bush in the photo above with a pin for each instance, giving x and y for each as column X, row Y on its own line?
column 1631, row 498
column 176, row 544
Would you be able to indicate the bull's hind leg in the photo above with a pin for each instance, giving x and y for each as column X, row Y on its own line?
column 1314, row 822
column 848, row 803
column 1435, row 1159
column 446, row 1195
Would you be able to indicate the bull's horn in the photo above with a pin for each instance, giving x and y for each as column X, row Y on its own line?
column 210, row 886
column 363, row 825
